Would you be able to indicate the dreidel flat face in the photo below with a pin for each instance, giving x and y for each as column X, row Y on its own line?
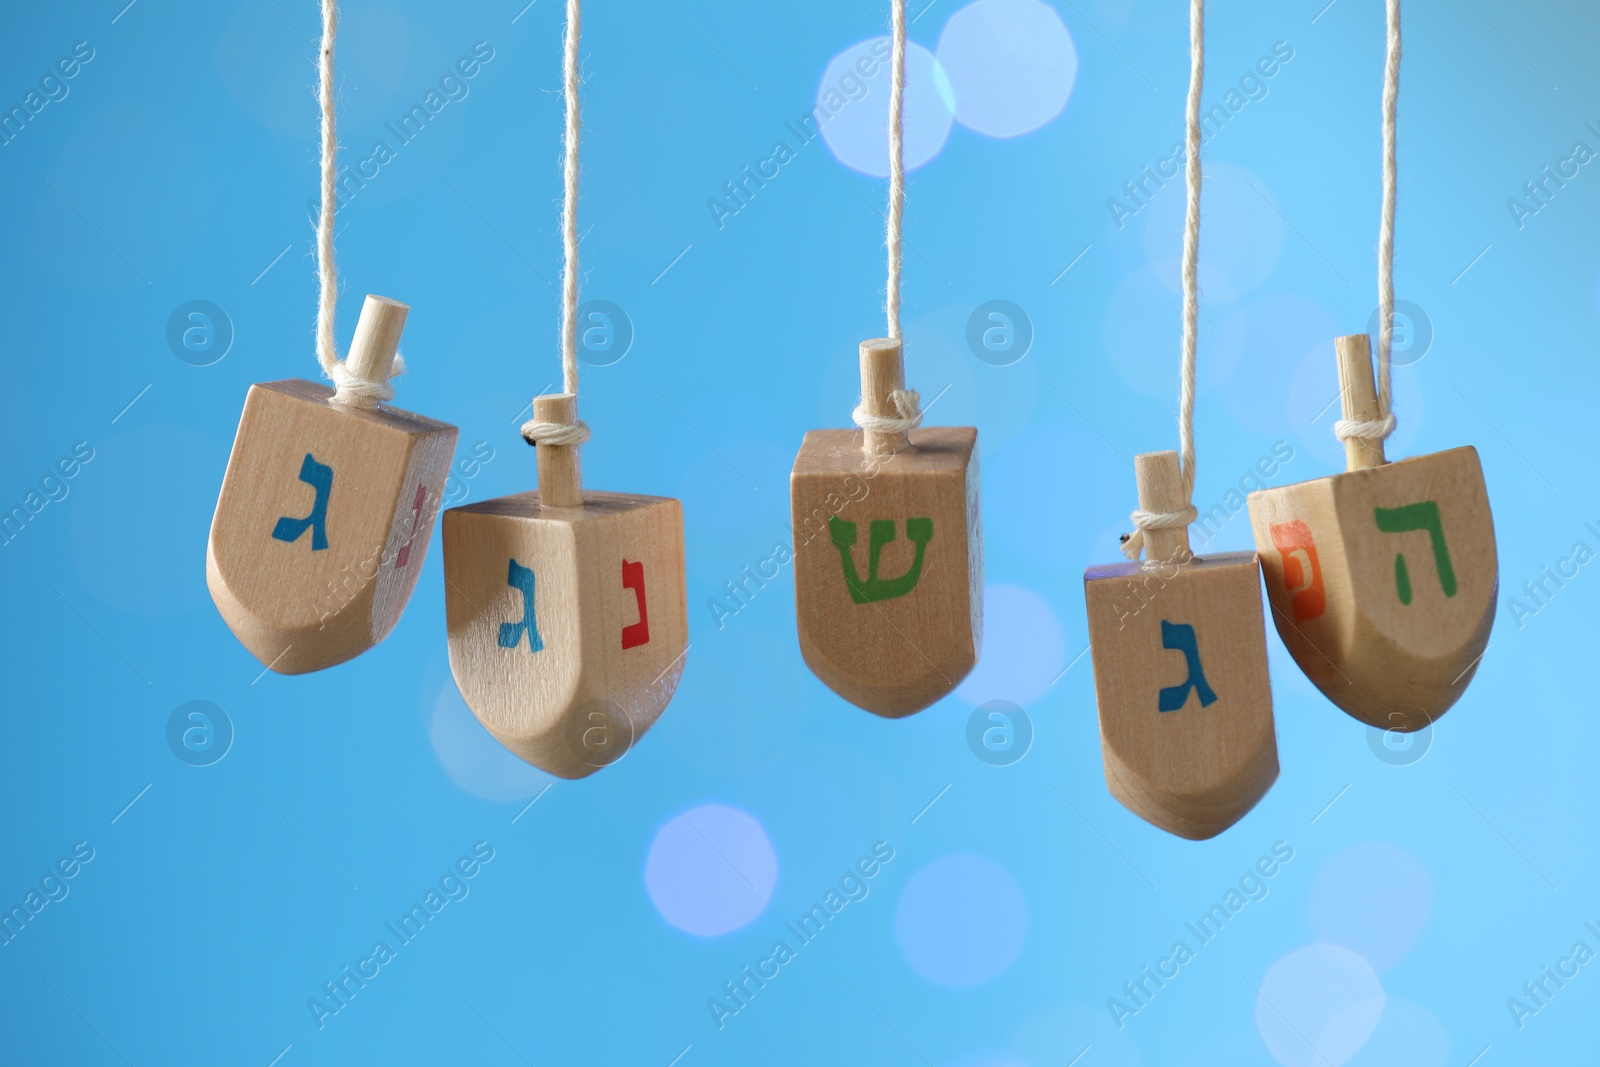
column 1382, row 582
column 888, row 565
column 1180, row 675
column 568, row 625
column 322, row 523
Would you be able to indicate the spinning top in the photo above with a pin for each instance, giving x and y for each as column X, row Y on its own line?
column 1180, row 673
column 325, row 511
column 888, row 551
column 1382, row 579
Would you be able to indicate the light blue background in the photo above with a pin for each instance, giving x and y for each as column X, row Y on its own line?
column 179, row 165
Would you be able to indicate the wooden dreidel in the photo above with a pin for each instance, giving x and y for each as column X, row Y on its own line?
column 1382, row 579
column 567, row 610
column 326, row 509
column 328, row 501
column 1180, row 652
column 888, row 551
column 1180, row 673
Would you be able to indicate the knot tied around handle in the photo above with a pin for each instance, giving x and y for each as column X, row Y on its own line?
column 359, row 392
column 564, row 434
column 906, row 401
column 1133, row 544
column 1373, row 430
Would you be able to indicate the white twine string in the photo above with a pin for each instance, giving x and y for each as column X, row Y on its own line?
column 328, row 273
column 569, row 203
column 897, row 170
column 1170, row 520
column 576, row 432
column 349, row 388
column 1381, row 427
column 906, row 401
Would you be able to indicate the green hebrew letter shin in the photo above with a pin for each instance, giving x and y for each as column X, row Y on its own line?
column 1420, row 516
column 881, row 531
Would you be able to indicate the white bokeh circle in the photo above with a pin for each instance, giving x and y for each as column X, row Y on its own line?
column 1011, row 65
column 1407, row 1034
column 711, row 870
column 1241, row 232
column 1313, row 406
column 1024, row 648
column 1373, row 898
column 473, row 759
column 961, row 920
column 1143, row 335
column 852, row 107
column 1318, row 1005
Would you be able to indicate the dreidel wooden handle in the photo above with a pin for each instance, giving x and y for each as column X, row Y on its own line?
column 377, row 338
column 560, row 478
column 883, row 373
column 1359, row 398
column 1161, row 490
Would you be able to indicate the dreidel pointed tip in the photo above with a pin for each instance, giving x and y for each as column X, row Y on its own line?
column 1196, row 814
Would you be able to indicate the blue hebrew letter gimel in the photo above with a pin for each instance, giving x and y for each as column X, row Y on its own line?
column 320, row 478
column 918, row 531
column 520, row 577
column 1179, row 637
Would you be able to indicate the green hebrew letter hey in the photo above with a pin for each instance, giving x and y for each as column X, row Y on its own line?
column 918, row 531
column 1421, row 516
